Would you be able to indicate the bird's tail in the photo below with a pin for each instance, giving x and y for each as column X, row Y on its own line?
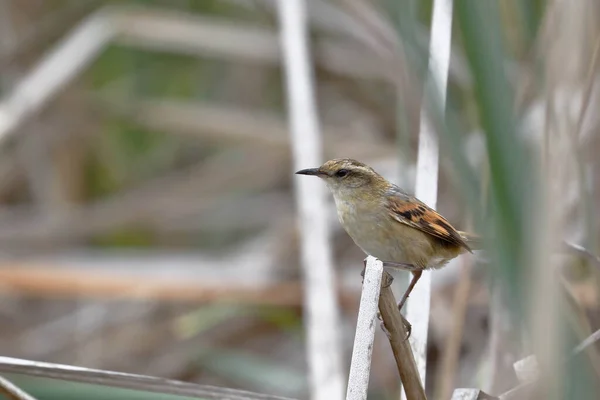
column 474, row 241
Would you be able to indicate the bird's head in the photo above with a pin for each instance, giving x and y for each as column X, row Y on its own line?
column 346, row 175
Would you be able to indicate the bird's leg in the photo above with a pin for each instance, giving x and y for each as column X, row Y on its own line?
column 416, row 271
column 413, row 282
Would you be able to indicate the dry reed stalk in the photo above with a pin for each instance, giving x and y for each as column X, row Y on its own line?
column 403, row 353
column 321, row 308
column 451, row 351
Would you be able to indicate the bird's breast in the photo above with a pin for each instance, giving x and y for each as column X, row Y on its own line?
column 366, row 225
column 378, row 234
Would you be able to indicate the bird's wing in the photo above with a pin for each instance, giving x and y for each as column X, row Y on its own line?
column 410, row 211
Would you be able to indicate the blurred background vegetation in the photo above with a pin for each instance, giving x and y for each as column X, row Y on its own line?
column 147, row 219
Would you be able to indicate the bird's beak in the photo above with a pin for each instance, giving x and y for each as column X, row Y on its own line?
column 310, row 171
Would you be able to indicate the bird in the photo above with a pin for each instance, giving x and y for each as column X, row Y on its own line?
column 388, row 223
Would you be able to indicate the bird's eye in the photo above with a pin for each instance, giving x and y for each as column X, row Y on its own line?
column 341, row 173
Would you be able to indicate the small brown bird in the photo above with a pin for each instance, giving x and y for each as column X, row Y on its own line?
column 387, row 223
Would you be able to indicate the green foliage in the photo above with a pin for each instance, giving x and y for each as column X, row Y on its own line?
column 246, row 369
column 125, row 154
column 514, row 190
column 210, row 316
column 250, row 369
column 126, row 237
column 207, row 317
column 531, row 13
column 284, row 318
column 511, row 168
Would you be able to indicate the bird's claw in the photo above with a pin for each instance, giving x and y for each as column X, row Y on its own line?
column 407, row 325
column 386, row 280
column 383, row 327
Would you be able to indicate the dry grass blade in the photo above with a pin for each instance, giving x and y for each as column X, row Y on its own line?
column 470, row 394
column 127, row 381
column 48, row 27
column 56, row 70
column 588, row 88
column 452, row 349
column 521, row 391
column 581, row 251
column 322, row 326
column 169, row 31
column 12, row 392
column 426, row 187
column 593, row 338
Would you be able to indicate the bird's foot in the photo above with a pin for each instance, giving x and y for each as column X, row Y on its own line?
column 407, row 325
column 386, row 280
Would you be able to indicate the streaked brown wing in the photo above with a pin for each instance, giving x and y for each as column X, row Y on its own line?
column 416, row 214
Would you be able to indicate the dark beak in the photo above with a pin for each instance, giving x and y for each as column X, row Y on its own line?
column 310, row 171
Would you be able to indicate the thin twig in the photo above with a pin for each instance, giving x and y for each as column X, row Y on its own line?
column 13, row 392
column 405, row 360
